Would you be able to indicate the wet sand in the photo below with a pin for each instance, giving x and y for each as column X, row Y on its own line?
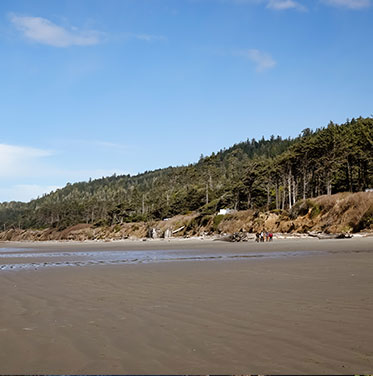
column 310, row 312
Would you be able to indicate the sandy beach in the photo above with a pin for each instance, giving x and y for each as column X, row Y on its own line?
column 187, row 306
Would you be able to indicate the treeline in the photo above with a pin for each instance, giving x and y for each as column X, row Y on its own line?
column 265, row 174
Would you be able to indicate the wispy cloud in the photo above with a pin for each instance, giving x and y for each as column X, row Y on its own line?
column 145, row 37
column 298, row 4
column 27, row 172
column 20, row 160
column 25, row 162
column 350, row 4
column 243, row 1
column 25, row 192
column 262, row 60
column 272, row 4
column 285, row 5
column 79, row 144
column 43, row 31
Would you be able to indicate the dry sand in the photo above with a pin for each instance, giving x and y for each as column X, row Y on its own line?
column 301, row 314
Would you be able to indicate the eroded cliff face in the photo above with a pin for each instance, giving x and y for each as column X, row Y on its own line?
column 343, row 212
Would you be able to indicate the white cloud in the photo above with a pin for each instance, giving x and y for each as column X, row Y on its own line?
column 243, row 1
column 262, row 60
column 26, row 172
column 272, row 4
column 149, row 37
column 43, row 31
column 351, row 4
column 145, row 37
column 25, row 192
column 23, row 162
column 297, row 4
column 20, row 160
column 285, row 4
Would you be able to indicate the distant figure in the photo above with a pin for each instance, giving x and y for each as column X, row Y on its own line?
column 257, row 237
column 270, row 236
column 262, row 236
column 267, row 236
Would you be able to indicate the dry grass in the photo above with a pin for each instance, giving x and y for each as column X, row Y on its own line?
column 342, row 212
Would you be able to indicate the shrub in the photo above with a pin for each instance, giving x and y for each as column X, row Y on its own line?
column 217, row 220
column 209, row 208
column 301, row 208
column 366, row 221
column 316, row 210
column 205, row 220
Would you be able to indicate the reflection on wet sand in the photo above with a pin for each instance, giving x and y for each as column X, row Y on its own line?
column 21, row 259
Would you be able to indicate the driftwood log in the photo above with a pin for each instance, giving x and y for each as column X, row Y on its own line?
column 334, row 236
column 178, row 229
column 323, row 235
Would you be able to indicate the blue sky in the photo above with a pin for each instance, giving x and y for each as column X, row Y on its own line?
column 91, row 87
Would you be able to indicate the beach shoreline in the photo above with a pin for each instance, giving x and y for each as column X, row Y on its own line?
column 309, row 314
column 280, row 242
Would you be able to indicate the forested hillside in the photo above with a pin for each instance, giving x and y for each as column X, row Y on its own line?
column 265, row 174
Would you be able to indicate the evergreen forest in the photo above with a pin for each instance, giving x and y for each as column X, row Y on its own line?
column 260, row 174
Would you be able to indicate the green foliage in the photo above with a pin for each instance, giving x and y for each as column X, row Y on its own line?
column 316, row 210
column 366, row 221
column 204, row 221
column 210, row 208
column 266, row 174
column 217, row 220
column 302, row 208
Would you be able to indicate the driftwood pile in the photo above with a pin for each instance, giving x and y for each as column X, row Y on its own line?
column 323, row 236
column 237, row 237
column 245, row 236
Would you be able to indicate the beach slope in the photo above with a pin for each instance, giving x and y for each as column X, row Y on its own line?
column 309, row 313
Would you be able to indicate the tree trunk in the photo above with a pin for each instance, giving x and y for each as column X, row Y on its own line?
column 328, row 185
column 304, row 184
column 284, row 194
column 349, row 175
column 289, row 189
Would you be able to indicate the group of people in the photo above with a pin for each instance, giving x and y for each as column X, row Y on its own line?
column 263, row 236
